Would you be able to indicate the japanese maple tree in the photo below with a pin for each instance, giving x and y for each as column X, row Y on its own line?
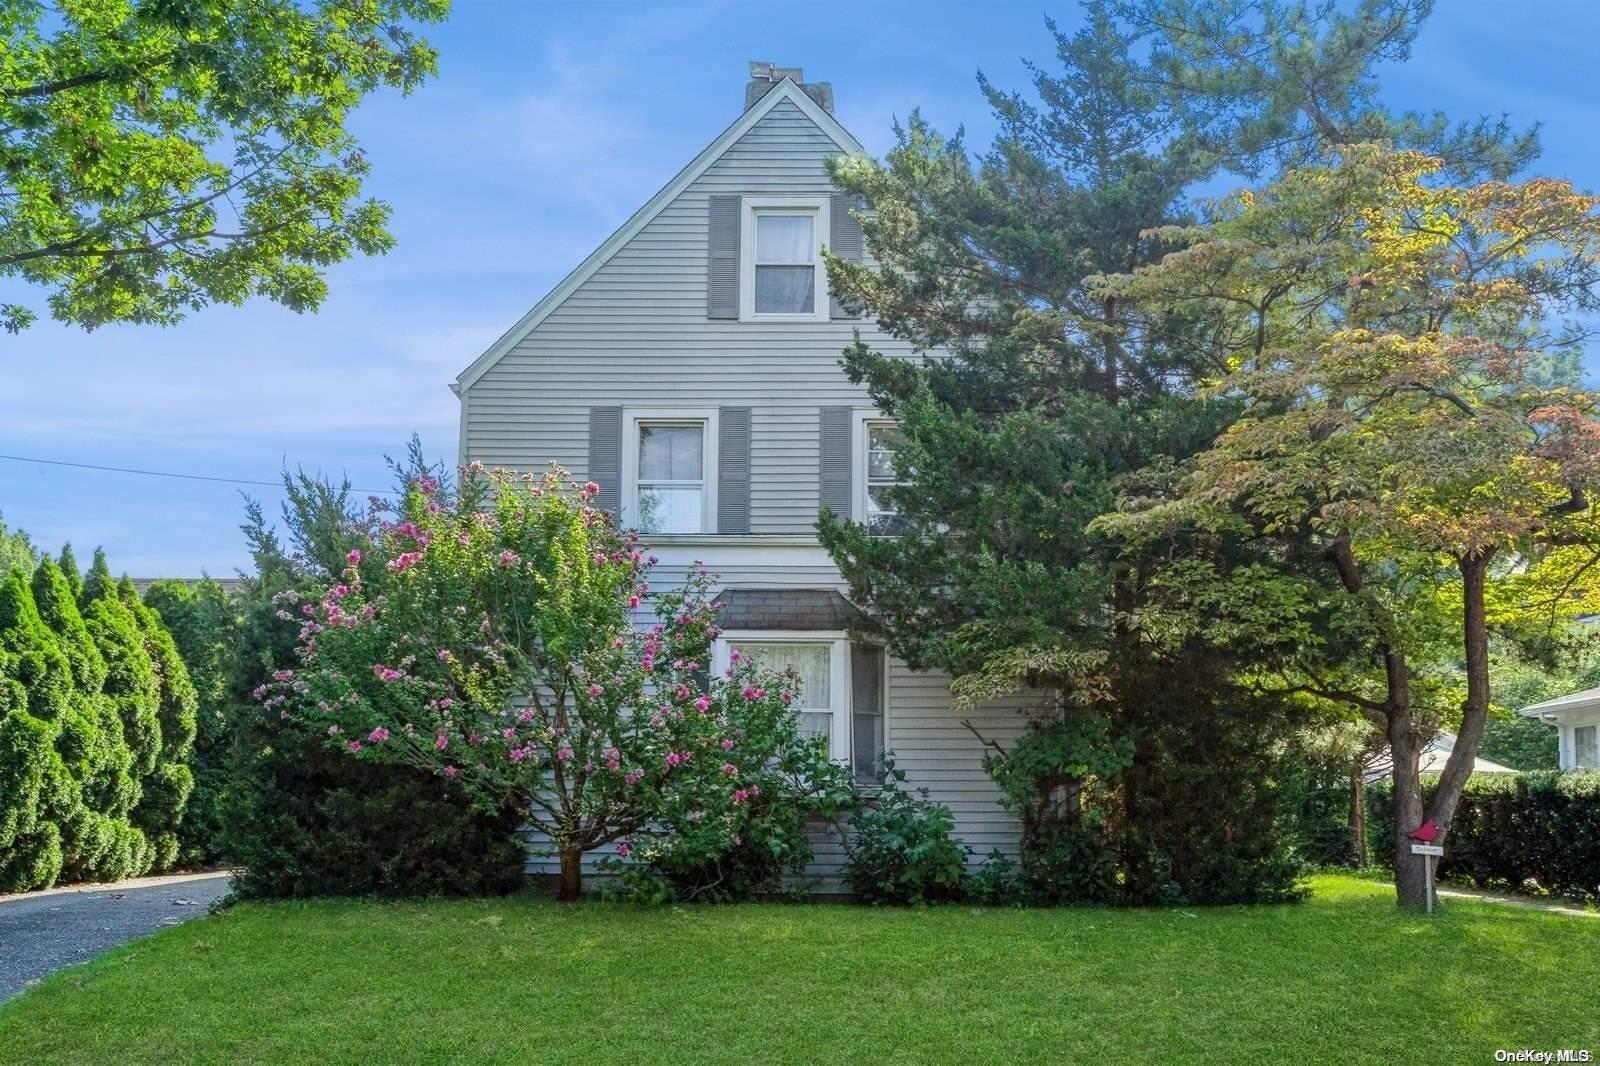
column 1412, row 439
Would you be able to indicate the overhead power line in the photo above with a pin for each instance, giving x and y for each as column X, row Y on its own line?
column 167, row 473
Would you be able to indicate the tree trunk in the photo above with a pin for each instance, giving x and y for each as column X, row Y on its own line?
column 1475, row 709
column 571, row 885
column 1410, row 871
column 1358, row 813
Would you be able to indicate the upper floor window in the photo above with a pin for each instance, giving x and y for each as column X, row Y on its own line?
column 782, row 241
column 666, row 473
column 881, row 438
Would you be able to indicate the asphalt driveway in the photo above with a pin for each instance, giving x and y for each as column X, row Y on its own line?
column 42, row 932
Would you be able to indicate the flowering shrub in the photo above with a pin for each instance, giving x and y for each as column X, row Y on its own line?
column 492, row 639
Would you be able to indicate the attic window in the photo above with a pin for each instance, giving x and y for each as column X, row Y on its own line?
column 782, row 240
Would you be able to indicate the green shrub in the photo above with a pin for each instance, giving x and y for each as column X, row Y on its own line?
column 1540, row 828
column 902, row 848
column 997, row 883
column 302, row 820
column 25, row 743
column 203, row 619
column 33, row 860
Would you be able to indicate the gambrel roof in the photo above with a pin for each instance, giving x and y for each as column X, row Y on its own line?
column 785, row 90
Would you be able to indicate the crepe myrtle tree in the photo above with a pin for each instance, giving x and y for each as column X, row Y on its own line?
column 493, row 640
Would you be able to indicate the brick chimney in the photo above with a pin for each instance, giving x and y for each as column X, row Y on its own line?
column 763, row 76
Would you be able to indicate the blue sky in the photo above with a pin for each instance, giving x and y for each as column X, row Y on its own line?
column 548, row 125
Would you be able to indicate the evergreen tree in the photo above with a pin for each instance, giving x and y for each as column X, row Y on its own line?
column 204, row 621
column 1045, row 393
column 68, row 564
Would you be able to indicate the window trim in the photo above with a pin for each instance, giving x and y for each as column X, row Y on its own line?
column 632, row 417
column 838, row 643
column 749, row 207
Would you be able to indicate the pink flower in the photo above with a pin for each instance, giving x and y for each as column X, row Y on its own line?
column 355, row 745
column 591, row 489
column 508, row 558
column 703, row 704
column 623, row 850
column 730, row 769
column 441, row 742
column 740, row 795
column 378, row 735
column 788, row 697
column 333, row 730
column 451, row 771
column 599, row 558
column 633, row 601
column 595, row 690
column 463, row 538
column 525, row 715
column 353, row 556
column 727, row 743
column 446, row 703
column 509, row 732
column 564, row 753
column 444, row 655
column 633, row 777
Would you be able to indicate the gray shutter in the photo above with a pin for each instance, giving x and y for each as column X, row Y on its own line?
column 733, row 470
column 605, row 456
column 834, row 474
column 846, row 241
column 722, row 259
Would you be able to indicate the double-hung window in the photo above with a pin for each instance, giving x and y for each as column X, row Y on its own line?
column 881, row 439
column 781, row 242
column 667, row 460
column 1584, row 753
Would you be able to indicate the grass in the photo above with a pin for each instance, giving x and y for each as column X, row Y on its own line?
column 1344, row 978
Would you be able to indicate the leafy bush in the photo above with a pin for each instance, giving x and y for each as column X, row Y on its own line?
column 203, row 619
column 299, row 819
column 1512, row 830
column 678, row 864
column 490, row 638
column 902, row 848
column 996, row 883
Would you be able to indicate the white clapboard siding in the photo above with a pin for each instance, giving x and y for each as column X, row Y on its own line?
column 636, row 334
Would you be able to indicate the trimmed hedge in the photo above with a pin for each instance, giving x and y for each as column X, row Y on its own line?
column 1541, row 827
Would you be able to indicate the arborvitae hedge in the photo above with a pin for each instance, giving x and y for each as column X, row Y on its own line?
column 1540, row 828
column 96, row 723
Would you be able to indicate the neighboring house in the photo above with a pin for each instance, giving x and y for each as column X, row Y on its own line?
column 1577, row 716
column 690, row 366
column 1434, row 755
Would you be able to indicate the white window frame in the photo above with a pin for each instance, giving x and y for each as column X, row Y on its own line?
column 838, row 676
column 865, row 420
column 632, row 418
column 750, row 206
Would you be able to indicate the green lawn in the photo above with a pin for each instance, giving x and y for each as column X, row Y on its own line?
column 1344, row 978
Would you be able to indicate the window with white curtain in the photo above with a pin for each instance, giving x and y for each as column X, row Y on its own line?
column 671, row 483
column 822, row 696
column 786, row 262
column 782, row 276
column 1584, row 752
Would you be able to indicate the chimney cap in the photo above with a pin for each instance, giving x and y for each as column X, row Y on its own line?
column 761, row 70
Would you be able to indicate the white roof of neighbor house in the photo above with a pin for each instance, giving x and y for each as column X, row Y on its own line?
column 1434, row 756
column 1588, row 699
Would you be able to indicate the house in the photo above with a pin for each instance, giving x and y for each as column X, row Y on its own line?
column 1577, row 716
column 690, row 367
column 1432, row 759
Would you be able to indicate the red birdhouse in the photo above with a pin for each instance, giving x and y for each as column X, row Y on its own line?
column 1427, row 832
